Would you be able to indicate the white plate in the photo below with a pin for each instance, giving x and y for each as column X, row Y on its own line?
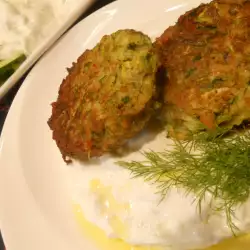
column 35, row 207
column 79, row 8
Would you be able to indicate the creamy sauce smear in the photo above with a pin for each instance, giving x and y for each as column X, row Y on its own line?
column 24, row 24
column 112, row 208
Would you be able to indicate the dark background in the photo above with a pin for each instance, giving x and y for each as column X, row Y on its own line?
column 5, row 103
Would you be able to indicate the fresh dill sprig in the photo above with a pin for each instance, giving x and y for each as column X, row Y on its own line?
column 218, row 166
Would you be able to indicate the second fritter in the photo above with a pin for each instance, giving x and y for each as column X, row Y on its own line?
column 107, row 97
column 206, row 55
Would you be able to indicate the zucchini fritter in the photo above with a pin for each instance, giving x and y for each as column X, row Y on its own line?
column 107, row 97
column 207, row 57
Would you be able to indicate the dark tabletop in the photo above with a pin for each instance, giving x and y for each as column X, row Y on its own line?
column 5, row 103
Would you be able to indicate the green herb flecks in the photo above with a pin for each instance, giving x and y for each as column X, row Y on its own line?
column 190, row 72
column 148, row 56
column 125, row 99
column 197, row 58
column 132, row 46
column 207, row 27
column 212, row 165
column 217, row 80
column 233, row 100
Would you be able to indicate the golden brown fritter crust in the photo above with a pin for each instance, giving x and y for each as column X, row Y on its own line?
column 107, row 96
column 206, row 55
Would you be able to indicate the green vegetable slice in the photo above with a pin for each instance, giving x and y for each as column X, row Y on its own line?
column 9, row 66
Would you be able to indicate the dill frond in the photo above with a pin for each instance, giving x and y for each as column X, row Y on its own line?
column 220, row 166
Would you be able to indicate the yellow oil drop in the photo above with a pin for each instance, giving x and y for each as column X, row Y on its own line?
column 110, row 206
column 240, row 243
column 99, row 237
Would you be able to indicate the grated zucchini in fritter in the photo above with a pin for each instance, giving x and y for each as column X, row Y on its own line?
column 207, row 58
column 107, row 97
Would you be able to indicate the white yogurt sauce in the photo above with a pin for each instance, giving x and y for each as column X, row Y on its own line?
column 25, row 23
column 129, row 209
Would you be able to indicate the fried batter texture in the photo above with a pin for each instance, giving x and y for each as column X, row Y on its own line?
column 107, row 97
column 207, row 58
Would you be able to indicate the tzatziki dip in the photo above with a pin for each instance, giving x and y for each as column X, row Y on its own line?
column 24, row 24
